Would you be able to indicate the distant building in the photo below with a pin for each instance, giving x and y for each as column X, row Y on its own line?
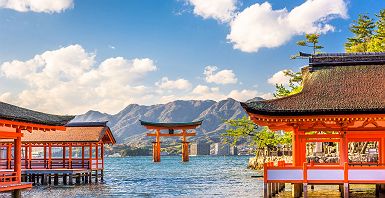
column 233, row 150
column 200, row 148
column 220, row 149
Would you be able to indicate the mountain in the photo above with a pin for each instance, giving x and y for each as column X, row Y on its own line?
column 127, row 129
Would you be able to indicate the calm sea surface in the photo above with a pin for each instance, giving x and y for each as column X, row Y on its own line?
column 140, row 177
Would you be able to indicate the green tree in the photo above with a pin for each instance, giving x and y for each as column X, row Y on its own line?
column 380, row 23
column 260, row 137
column 377, row 42
column 295, row 85
column 311, row 41
column 363, row 29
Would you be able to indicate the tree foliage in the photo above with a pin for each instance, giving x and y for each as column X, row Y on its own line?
column 311, row 41
column 295, row 85
column 260, row 137
column 368, row 35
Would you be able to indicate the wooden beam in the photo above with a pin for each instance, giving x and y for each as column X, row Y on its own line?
column 171, row 135
column 10, row 135
column 173, row 127
column 29, row 126
column 316, row 136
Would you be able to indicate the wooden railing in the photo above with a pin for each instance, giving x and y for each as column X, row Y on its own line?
column 55, row 163
column 8, row 177
column 315, row 173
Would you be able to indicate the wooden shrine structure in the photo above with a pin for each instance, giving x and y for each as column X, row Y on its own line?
column 342, row 101
column 171, row 127
column 13, row 122
column 76, row 153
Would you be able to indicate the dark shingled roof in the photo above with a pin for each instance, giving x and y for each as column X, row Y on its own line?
column 86, row 124
column 170, row 125
column 333, row 84
column 14, row 113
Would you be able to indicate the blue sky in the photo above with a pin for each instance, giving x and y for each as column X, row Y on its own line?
column 148, row 52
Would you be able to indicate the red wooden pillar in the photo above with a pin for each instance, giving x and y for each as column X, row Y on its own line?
column 90, row 153
column 83, row 155
column 70, row 155
column 29, row 155
column 185, row 154
column 97, row 155
column 343, row 148
column 49, row 155
column 302, row 142
column 156, row 147
column 9, row 156
column 17, row 154
column 102, row 154
column 45, row 155
column 64, row 156
column 296, row 148
column 381, row 150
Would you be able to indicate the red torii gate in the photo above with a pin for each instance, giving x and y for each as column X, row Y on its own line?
column 171, row 127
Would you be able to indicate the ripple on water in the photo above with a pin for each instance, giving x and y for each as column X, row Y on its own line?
column 140, row 177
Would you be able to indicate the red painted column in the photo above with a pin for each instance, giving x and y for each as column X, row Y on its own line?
column 302, row 142
column 49, row 155
column 381, row 150
column 83, row 155
column 343, row 149
column 90, row 156
column 29, row 155
column 45, row 155
column 97, row 155
column 64, row 156
column 296, row 148
column 70, row 156
column 9, row 155
column 17, row 154
column 102, row 155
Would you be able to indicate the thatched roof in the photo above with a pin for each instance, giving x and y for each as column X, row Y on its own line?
column 15, row 113
column 333, row 84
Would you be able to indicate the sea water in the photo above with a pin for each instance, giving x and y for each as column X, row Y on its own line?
column 202, row 176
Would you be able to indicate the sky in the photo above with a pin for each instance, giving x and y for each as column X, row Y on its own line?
column 71, row 56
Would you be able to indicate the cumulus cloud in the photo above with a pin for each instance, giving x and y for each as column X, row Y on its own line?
column 221, row 10
column 69, row 80
column 219, row 77
column 46, row 6
column 180, row 84
column 279, row 78
column 260, row 26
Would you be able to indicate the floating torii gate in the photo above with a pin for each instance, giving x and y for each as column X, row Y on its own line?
column 171, row 127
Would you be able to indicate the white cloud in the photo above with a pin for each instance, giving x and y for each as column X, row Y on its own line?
column 203, row 92
column 68, row 80
column 279, row 78
column 180, row 84
column 260, row 26
column 243, row 95
column 221, row 77
column 221, row 10
column 47, row 6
